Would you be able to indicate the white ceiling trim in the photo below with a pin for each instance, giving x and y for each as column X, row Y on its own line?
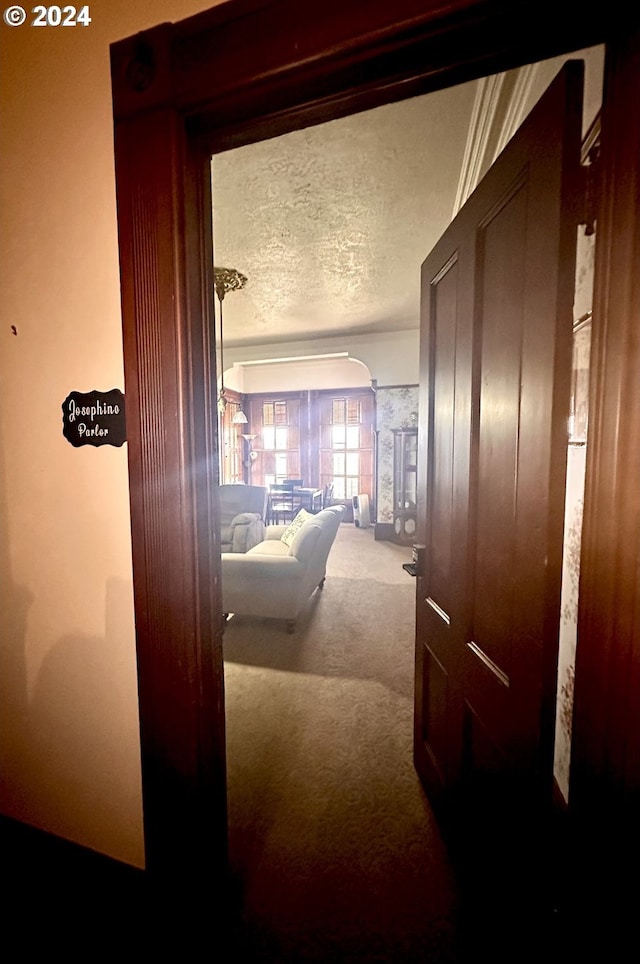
column 519, row 105
column 483, row 116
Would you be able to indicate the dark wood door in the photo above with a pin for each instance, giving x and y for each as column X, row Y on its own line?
column 497, row 294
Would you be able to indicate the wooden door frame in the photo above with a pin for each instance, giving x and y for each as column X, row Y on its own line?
column 184, row 91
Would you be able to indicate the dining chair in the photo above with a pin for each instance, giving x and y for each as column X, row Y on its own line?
column 282, row 507
column 327, row 494
column 297, row 500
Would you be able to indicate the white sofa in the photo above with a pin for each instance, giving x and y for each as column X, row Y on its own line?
column 274, row 579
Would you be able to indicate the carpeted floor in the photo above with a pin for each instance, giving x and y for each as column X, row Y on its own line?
column 333, row 844
column 335, row 854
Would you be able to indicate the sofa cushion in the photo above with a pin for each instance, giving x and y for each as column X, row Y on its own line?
column 294, row 526
column 305, row 540
column 270, row 547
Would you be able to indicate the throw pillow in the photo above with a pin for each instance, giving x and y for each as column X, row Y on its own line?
column 294, row 526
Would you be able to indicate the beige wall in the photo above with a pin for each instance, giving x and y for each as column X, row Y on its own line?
column 295, row 375
column 392, row 357
column 69, row 743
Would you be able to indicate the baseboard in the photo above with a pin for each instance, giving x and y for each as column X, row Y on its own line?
column 560, row 805
column 87, row 905
column 29, row 853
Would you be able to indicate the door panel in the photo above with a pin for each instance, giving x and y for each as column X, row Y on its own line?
column 500, row 349
column 440, row 543
column 497, row 294
column 446, row 356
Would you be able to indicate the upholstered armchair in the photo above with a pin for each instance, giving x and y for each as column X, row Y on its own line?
column 243, row 511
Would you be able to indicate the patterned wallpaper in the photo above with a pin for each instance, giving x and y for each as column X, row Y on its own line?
column 397, row 406
column 576, row 468
column 569, row 614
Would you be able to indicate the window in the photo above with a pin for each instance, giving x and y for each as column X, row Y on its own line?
column 346, row 434
column 275, row 422
column 345, row 443
column 275, row 439
column 319, row 436
column 230, row 452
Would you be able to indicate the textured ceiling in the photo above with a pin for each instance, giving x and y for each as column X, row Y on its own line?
column 331, row 224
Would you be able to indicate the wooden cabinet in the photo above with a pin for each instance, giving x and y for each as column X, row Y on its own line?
column 405, row 458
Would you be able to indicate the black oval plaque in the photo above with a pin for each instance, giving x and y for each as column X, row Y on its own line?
column 94, row 418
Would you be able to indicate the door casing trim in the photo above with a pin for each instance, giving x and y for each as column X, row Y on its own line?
column 183, row 91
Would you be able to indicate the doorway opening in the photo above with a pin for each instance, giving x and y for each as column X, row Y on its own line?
column 223, row 97
column 283, row 737
column 301, row 211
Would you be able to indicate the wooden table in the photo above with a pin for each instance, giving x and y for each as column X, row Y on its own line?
column 309, row 498
column 287, row 503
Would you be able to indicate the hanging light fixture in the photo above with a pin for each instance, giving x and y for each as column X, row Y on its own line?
column 224, row 280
